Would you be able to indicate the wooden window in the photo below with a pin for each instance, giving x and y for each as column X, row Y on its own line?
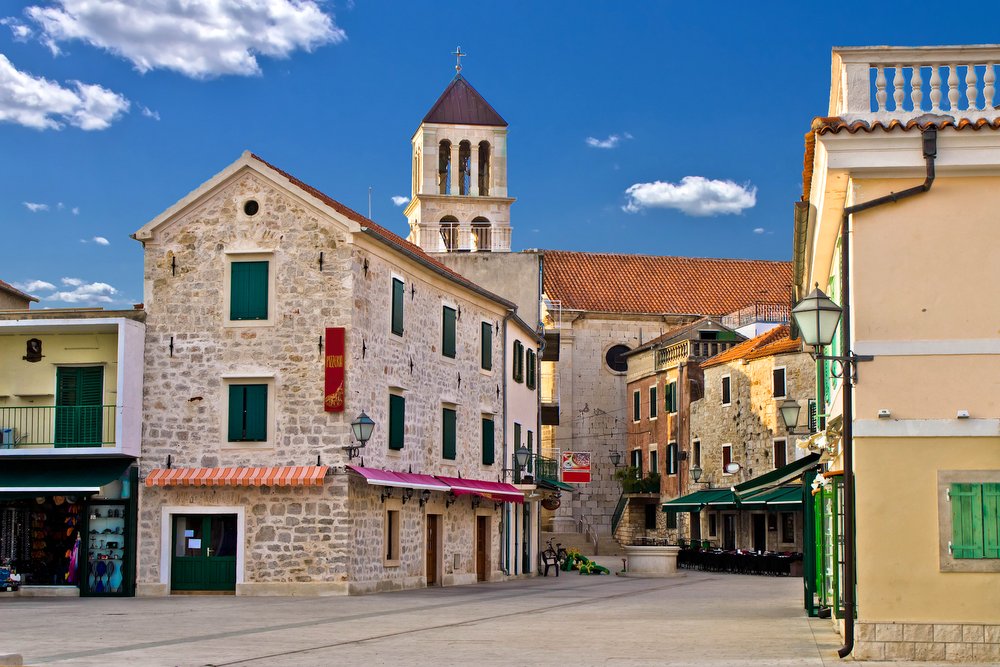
column 488, row 444
column 727, row 457
column 637, row 462
column 654, row 460
column 448, row 434
column 248, row 290
column 391, row 537
column 247, row 413
column 486, row 346
column 397, row 421
column 726, row 387
column 448, row 332
column 713, row 524
column 517, row 363
column 975, row 520
column 652, row 403
column 397, row 306
column 778, row 380
column 780, row 458
column 636, row 407
column 529, row 378
column 788, row 527
column 672, row 458
column 671, row 520
column 697, row 452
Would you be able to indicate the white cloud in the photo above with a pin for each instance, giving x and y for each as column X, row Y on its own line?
column 60, row 206
column 100, row 240
column 32, row 206
column 84, row 293
column 198, row 38
column 34, row 286
column 611, row 142
column 21, row 31
column 76, row 210
column 759, row 230
column 399, row 200
column 694, row 195
column 149, row 113
column 41, row 104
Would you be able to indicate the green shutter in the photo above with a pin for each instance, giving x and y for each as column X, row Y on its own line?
column 256, row 413
column 397, row 306
column 448, row 434
column 79, row 399
column 636, row 411
column 517, row 436
column 967, row 520
column 486, row 342
column 530, row 377
column 448, row 332
column 488, row 454
column 397, row 421
column 531, row 445
column 652, row 402
column 236, row 410
column 518, row 362
column 248, row 291
column 991, row 520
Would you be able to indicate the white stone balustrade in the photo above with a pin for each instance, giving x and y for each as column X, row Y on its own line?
column 885, row 83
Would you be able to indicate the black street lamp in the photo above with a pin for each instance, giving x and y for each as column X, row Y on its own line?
column 616, row 458
column 789, row 411
column 362, row 428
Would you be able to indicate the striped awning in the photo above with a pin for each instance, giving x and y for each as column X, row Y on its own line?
column 277, row 476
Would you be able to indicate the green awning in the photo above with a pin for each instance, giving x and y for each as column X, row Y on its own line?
column 43, row 476
column 776, row 477
column 694, row 502
column 554, row 485
column 782, row 497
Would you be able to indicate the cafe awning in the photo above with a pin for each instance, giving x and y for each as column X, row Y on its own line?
column 782, row 497
column 776, row 477
column 48, row 477
column 402, row 480
column 238, row 476
column 498, row 492
column 554, row 485
column 694, row 502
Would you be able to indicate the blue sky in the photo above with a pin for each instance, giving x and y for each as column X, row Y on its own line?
column 653, row 127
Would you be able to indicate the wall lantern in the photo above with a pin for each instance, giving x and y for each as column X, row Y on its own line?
column 616, row 458
column 521, row 456
column 425, row 495
column 789, row 411
column 696, row 472
column 362, row 428
column 817, row 318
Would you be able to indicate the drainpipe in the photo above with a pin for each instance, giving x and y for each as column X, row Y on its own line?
column 508, row 528
column 929, row 137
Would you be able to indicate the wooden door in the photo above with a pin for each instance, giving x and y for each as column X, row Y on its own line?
column 482, row 546
column 204, row 553
column 431, row 555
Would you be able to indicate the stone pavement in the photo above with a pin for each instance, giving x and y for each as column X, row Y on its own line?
column 693, row 619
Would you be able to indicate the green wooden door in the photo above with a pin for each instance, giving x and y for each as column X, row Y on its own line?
column 79, row 395
column 204, row 553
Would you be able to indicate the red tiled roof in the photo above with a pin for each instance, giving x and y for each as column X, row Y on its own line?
column 461, row 104
column 771, row 342
column 384, row 235
column 7, row 287
column 605, row 282
column 836, row 124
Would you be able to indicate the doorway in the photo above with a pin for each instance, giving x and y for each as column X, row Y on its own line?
column 729, row 532
column 759, row 533
column 431, row 554
column 204, row 553
column 482, row 546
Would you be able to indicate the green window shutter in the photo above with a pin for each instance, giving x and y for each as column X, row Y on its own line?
column 967, row 520
column 529, row 379
column 397, row 421
column 652, row 402
column 448, row 332
column 488, row 455
column 256, row 412
column 673, row 397
column 636, row 411
column 486, row 342
column 518, row 362
column 531, row 444
column 991, row 520
column 517, row 436
column 236, row 407
column 248, row 291
column 397, row 306
column 448, row 433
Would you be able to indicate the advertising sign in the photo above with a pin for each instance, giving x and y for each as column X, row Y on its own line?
column 334, row 370
column 575, row 467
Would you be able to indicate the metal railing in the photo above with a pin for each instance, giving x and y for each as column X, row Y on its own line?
column 584, row 526
column 57, row 426
column 648, row 484
column 619, row 512
column 691, row 350
column 777, row 313
column 540, row 467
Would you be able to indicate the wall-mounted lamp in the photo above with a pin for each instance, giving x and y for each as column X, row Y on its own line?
column 696, row 473
column 386, row 493
column 450, row 498
column 362, row 428
column 425, row 495
column 789, row 411
column 616, row 458
column 475, row 502
column 407, row 494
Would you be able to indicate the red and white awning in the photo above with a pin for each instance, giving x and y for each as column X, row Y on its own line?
column 275, row 476
column 498, row 492
column 403, row 480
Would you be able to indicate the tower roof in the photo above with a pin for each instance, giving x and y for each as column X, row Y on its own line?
column 461, row 104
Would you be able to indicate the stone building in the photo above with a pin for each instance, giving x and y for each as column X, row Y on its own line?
column 276, row 316
column 12, row 298
column 737, row 422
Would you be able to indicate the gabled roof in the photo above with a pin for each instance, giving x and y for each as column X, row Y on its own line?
column 615, row 283
column 10, row 289
column 461, row 104
column 771, row 342
column 682, row 332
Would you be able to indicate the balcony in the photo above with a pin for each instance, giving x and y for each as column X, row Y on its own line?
column 57, row 426
column 540, row 468
column 885, row 83
column 691, row 350
column 755, row 313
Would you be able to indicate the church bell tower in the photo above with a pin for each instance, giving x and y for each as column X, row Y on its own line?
column 458, row 200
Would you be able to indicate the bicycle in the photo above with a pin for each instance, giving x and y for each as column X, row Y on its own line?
column 550, row 557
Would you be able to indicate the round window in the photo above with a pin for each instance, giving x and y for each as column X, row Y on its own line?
column 615, row 360
column 251, row 207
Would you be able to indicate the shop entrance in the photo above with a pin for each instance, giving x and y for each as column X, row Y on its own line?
column 759, row 532
column 204, row 553
column 729, row 532
column 482, row 546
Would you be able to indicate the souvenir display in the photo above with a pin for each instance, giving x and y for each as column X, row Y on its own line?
column 106, row 549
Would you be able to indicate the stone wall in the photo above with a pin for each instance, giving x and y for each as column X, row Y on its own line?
column 954, row 642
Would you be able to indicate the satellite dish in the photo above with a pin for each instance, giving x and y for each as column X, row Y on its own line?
column 732, row 468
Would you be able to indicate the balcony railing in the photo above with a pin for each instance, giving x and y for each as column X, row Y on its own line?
column 540, row 467
column 57, row 426
column 885, row 83
column 696, row 350
column 776, row 313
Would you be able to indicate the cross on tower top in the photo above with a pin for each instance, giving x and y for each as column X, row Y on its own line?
column 458, row 59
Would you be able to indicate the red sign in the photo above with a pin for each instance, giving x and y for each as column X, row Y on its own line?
column 334, row 370
column 575, row 467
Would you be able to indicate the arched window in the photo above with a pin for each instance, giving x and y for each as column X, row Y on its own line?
column 444, row 167
column 449, row 232
column 481, row 235
column 465, row 167
column 484, row 168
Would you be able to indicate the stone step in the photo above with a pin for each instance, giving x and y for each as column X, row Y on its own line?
column 606, row 545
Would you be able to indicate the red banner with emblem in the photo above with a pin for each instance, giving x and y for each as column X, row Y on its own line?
column 333, row 362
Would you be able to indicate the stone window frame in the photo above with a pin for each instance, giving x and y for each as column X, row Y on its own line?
column 725, row 380
column 266, row 379
column 392, row 516
column 774, row 449
column 248, row 255
column 784, row 378
column 945, row 479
